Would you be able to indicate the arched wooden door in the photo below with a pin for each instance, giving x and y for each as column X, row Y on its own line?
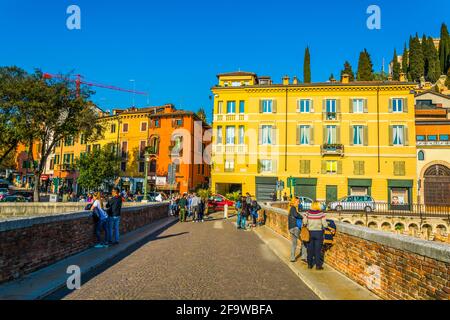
column 437, row 185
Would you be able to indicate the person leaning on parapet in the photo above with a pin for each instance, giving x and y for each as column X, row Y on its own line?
column 294, row 225
column 316, row 221
column 101, row 221
column 114, row 209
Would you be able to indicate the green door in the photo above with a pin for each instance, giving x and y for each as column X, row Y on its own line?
column 302, row 190
column 331, row 193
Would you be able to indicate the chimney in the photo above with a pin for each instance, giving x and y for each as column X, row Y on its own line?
column 345, row 78
column 403, row 77
column 286, row 80
column 295, row 80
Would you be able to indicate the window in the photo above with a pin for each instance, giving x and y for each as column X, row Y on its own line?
column 358, row 167
column 124, row 149
column 177, row 123
column 143, row 126
column 420, row 138
column 397, row 105
column 219, row 135
column 266, row 134
column 331, row 134
column 142, row 146
column 357, row 135
column 231, row 106
column 443, row 137
column 156, row 123
column 57, row 158
column 267, row 106
column 398, row 137
column 152, row 168
column 332, row 166
column 399, row 168
column 113, row 128
column 358, row 105
column 229, row 165
column 265, row 165
column 230, row 136
column 331, row 105
column 68, row 158
column 432, row 138
column 141, row 167
column 304, row 134
column 421, row 155
column 304, row 105
column 125, row 127
column 399, row 196
column 123, row 166
column 68, row 141
column 203, row 169
column 96, row 147
column 219, row 107
column 241, row 135
column 241, row 106
column 305, row 166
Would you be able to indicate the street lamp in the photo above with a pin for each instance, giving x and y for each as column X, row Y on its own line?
column 147, row 161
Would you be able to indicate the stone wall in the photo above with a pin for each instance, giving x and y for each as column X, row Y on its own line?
column 10, row 210
column 27, row 245
column 392, row 266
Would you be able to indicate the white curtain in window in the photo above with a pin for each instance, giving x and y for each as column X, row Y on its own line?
column 304, row 134
column 230, row 135
column 357, row 135
column 331, row 134
column 267, row 134
column 398, row 135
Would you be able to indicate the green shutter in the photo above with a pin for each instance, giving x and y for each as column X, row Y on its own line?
column 362, row 168
column 298, row 134
column 311, row 135
column 338, row 134
column 405, row 135
column 366, row 135
column 274, row 106
column 308, row 166
column 301, row 166
column 324, row 167
column 338, row 105
column 365, row 106
column 260, row 106
column 350, row 134
column 311, row 105
column 390, row 105
column 355, row 167
column 260, row 135
column 350, row 106
column 339, row 167
column 274, row 135
column 405, row 105
column 391, row 142
column 324, row 134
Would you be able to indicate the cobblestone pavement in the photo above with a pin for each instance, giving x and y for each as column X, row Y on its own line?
column 210, row 260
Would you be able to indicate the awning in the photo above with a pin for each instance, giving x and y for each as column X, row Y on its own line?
column 400, row 183
column 359, row 182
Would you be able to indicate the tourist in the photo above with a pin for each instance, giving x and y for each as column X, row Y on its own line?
column 294, row 225
column 238, row 207
column 101, row 219
column 316, row 222
column 194, row 207
column 255, row 207
column 182, row 203
column 274, row 196
column 201, row 209
column 244, row 213
column 114, row 208
column 285, row 197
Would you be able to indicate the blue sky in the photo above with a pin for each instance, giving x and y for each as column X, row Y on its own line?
column 174, row 49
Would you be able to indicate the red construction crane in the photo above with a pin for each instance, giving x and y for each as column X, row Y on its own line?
column 78, row 81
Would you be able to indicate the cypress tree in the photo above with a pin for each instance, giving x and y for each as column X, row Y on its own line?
column 416, row 64
column 348, row 70
column 432, row 63
column 405, row 60
column 447, row 81
column 444, row 49
column 307, row 67
column 395, row 67
column 365, row 67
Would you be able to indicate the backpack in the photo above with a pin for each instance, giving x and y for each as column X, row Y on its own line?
column 238, row 204
column 299, row 223
column 328, row 236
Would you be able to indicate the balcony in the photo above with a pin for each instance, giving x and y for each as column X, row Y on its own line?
column 331, row 116
column 66, row 167
column 332, row 150
column 230, row 117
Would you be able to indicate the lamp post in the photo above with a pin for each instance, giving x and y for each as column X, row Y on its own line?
column 147, row 161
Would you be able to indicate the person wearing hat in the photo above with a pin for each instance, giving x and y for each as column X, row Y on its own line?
column 316, row 222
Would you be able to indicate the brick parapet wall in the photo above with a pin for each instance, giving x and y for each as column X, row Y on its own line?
column 392, row 266
column 27, row 245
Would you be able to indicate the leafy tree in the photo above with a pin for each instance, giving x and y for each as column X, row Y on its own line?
column 395, row 67
column 97, row 168
column 307, row 67
column 348, row 70
column 365, row 67
column 444, row 49
column 45, row 112
column 416, row 59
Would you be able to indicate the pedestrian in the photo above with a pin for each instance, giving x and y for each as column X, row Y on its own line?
column 315, row 220
column 294, row 225
column 255, row 207
column 114, row 208
column 285, row 197
column 182, row 203
column 101, row 221
column 274, row 197
column 189, row 207
column 201, row 209
column 244, row 213
column 194, row 207
column 238, row 207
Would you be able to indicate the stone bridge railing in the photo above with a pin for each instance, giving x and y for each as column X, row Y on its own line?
column 27, row 245
column 393, row 266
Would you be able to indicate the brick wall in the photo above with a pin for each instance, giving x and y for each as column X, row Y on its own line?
column 29, row 244
column 395, row 267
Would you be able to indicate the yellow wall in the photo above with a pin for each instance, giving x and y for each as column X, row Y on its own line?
column 289, row 165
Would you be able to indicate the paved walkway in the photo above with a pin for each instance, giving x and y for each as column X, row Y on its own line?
column 210, row 260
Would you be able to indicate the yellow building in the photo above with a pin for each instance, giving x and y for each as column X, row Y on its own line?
column 334, row 138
